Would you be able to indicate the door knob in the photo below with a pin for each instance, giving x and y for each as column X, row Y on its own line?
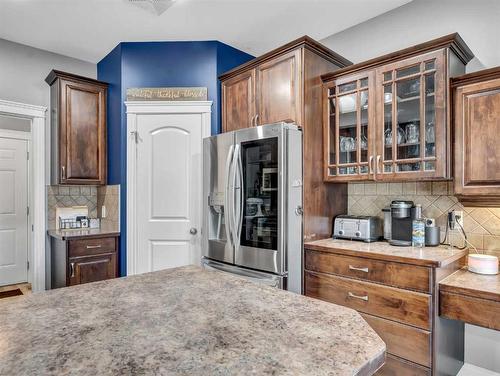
column 193, row 231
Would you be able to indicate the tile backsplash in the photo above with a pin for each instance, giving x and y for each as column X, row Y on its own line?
column 91, row 196
column 482, row 225
column 65, row 196
column 109, row 196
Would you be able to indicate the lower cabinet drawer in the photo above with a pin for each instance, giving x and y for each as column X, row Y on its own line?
column 402, row 340
column 394, row 274
column 398, row 367
column 91, row 246
column 404, row 306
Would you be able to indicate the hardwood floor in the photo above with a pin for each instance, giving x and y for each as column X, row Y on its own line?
column 24, row 287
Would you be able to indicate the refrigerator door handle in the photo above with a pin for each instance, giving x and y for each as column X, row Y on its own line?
column 228, row 198
column 238, row 193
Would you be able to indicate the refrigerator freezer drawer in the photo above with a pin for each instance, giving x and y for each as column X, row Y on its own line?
column 248, row 274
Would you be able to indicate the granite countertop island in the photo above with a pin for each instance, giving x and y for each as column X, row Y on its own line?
column 183, row 321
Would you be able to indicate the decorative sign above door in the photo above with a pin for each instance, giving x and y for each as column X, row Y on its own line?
column 167, row 94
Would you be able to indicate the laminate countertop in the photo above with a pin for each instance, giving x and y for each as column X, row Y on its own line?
column 83, row 233
column 426, row 256
column 183, row 321
column 472, row 284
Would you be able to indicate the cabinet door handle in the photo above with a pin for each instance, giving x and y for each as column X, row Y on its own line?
column 358, row 269
column 252, row 122
column 351, row 295
column 370, row 164
column 94, row 246
column 63, row 172
column 378, row 164
column 257, row 120
column 72, row 269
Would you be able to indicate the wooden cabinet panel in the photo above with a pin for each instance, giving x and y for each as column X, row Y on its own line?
column 92, row 268
column 78, row 125
column 279, row 89
column 388, row 273
column 403, row 340
column 477, row 311
column 407, row 307
column 93, row 246
column 477, row 137
column 398, row 367
column 238, row 101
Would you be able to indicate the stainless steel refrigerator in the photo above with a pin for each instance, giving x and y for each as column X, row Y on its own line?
column 252, row 217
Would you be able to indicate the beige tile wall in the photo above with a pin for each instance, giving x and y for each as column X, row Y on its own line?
column 63, row 197
column 109, row 196
column 482, row 225
column 91, row 196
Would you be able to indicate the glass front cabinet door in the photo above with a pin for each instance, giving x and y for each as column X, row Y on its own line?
column 349, row 128
column 412, row 138
column 388, row 123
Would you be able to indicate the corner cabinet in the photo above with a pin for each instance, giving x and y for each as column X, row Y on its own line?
column 78, row 129
column 476, row 99
column 387, row 119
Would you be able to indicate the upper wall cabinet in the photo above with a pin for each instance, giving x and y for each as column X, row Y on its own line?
column 270, row 88
column 387, row 119
column 78, row 129
column 476, row 99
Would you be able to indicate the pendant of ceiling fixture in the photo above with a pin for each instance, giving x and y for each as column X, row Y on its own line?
column 154, row 6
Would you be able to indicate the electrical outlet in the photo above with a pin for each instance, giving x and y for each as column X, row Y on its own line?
column 459, row 217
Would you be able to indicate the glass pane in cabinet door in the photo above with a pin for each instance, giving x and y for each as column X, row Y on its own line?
column 331, row 157
column 388, row 122
column 408, row 119
column 363, row 139
column 260, row 193
column 347, row 87
column 430, row 117
column 407, row 167
column 347, row 129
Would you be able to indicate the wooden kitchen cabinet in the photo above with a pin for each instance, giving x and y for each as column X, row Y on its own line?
column 476, row 99
column 82, row 260
column 78, row 129
column 387, row 119
column 285, row 85
column 273, row 87
column 398, row 296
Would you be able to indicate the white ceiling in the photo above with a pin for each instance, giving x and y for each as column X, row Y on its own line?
column 89, row 29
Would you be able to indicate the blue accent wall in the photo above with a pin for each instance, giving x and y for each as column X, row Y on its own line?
column 157, row 64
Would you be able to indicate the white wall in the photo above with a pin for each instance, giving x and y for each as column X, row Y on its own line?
column 478, row 22
column 23, row 70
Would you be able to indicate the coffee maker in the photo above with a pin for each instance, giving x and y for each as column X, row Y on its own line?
column 402, row 215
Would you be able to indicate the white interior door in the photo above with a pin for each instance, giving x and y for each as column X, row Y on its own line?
column 13, row 211
column 168, row 190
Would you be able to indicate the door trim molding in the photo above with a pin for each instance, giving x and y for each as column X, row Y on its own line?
column 134, row 108
column 37, row 178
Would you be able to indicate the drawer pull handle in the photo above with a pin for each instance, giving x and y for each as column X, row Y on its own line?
column 358, row 269
column 351, row 295
column 94, row 246
column 72, row 269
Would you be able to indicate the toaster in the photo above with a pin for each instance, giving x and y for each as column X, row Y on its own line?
column 357, row 227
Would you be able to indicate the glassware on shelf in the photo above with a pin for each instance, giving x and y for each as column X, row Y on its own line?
column 430, row 133
column 412, row 133
column 388, row 136
column 401, row 135
column 363, row 142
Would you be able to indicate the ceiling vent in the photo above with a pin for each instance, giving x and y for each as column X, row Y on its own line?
column 154, row 6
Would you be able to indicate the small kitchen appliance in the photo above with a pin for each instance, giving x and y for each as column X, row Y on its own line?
column 432, row 233
column 402, row 215
column 354, row 227
column 387, row 223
